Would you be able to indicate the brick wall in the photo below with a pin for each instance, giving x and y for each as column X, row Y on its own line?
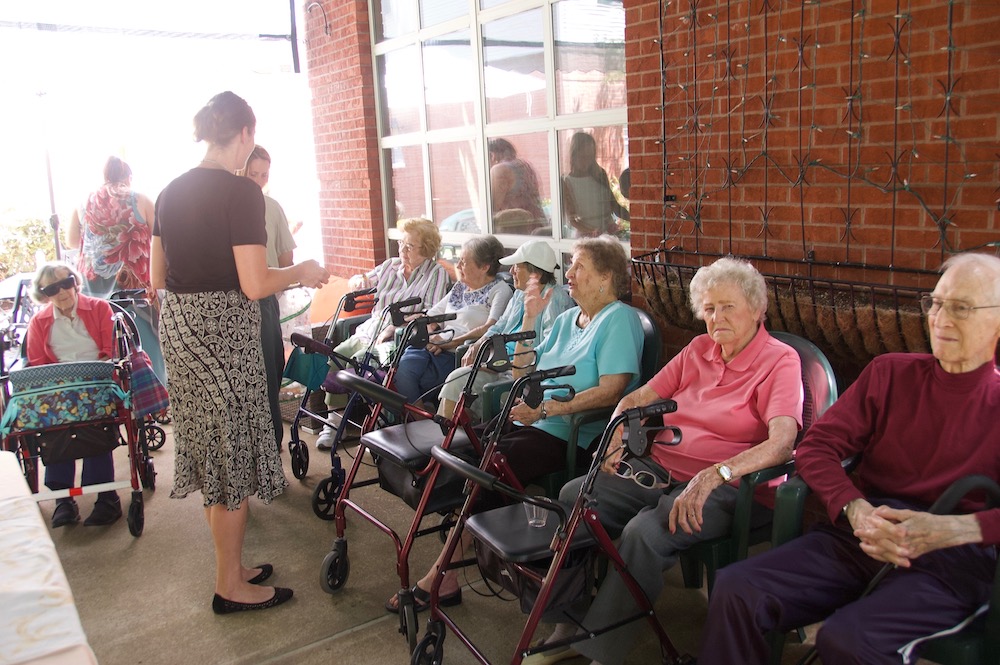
column 860, row 148
column 342, row 83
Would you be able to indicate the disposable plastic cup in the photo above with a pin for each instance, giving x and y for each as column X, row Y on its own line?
column 536, row 514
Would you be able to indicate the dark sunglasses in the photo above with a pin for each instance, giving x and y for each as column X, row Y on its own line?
column 55, row 287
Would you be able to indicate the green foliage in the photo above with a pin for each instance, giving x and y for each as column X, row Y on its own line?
column 21, row 239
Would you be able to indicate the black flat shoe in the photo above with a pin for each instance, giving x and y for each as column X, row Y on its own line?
column 265, row 571
column 104, row 513
column 422, row 600
column 222, row 606
column 66, row 512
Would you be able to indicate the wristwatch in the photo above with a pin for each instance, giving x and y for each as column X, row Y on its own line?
column 544, row 415
column 724, row 472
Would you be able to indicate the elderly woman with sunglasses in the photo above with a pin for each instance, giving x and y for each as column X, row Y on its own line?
column 72, row 327
column 739, row 407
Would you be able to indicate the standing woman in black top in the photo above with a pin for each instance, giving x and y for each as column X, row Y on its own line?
column 208, row 253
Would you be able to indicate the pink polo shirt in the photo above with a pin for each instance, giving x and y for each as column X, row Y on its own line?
column 723, row 408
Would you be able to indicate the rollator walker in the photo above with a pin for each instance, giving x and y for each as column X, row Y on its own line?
column 73, row 410
column 406, row 469
column 548, row 567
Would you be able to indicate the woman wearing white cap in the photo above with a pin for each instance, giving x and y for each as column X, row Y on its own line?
column 532, row 267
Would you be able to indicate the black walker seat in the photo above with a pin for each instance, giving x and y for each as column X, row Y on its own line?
column 539, row 559
column 78, row 435
column 406, row 469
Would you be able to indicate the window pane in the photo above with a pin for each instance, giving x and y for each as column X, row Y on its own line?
column 487, row 4
column 400, row 72
column 450, row 81
column 592, row 161
column 519, row 184
column 589, row 56
column 455, row 175
column 433, row 12
column 398, row 17
column 514, row 67
column 407, row 186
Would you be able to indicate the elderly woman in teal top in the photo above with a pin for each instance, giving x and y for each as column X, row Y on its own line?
column 532, row 267
column 602, row 338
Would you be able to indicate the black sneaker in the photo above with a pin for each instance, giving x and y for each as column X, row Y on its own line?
column 106, row 511
column 66, row 512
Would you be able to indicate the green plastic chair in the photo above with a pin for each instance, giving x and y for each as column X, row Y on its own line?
column 819, row 391
column 493, row 394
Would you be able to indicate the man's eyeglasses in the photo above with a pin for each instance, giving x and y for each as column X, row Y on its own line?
column 642, row 477
column 55, row 287
column 956, row 309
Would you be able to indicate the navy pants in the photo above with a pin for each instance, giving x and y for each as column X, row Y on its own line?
column 421, row 373
column 98, row 469
column 820, row 576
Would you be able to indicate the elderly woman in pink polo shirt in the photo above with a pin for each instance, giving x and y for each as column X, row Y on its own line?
column 739, row 405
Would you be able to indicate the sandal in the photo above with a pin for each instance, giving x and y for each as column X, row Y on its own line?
column 422, row 600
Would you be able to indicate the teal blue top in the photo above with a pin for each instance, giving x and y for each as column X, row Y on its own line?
column 512, row 317
column 611, row 344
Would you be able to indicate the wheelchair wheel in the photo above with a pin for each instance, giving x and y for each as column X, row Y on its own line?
column 147, row 474
column 299, row 454
column 336, row 567
column 325, row 496
column 155, row 436
column 429, row 651
column 136, row 515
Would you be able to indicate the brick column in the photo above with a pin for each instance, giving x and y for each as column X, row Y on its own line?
column 342, row 81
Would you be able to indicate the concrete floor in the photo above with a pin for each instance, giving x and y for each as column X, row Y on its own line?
column 147, row 600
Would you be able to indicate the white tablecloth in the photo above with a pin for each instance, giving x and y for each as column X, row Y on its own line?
column 39, row 621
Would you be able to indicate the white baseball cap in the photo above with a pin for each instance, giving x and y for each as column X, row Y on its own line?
column 536, row 252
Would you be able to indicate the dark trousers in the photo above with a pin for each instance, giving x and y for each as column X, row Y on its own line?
column 420, row 373
column 820, row 576
column 98, row 469
column 274, row 359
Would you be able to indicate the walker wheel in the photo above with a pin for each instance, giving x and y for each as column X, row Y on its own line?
column 136, row 516
column 155, row 436
column 147, row 474
column 300, row 459
column 408, row 617
column 427, row 652
column 336, row 567
column 324, row 498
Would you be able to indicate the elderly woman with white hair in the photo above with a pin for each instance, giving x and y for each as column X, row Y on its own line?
column 72, row 327
column 739, row 405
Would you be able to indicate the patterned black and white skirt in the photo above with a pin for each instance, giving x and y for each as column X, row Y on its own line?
column 223, row 435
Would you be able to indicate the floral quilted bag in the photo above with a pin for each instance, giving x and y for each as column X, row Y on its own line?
column 59, row 394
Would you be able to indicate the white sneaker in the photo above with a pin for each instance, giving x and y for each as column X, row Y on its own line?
column 548, row 657
column 325, row 439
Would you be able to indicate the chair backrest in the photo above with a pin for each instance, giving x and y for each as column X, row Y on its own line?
column 651, row 346
column 819, row 384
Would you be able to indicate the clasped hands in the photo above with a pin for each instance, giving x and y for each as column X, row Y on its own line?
column 898, row 536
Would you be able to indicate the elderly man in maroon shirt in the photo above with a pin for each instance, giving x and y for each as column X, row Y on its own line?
column 920, row 422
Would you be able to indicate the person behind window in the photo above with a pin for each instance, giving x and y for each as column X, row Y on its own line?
column 415, row 273
column 532, row 267
column 589, row 205
column 919, row 422
column 602, row 338
column 517, row 204
column 209, row 254
column 112, row 230
column 478, row 299
column 739, row 407
column 280, row 249
column 73, row 327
